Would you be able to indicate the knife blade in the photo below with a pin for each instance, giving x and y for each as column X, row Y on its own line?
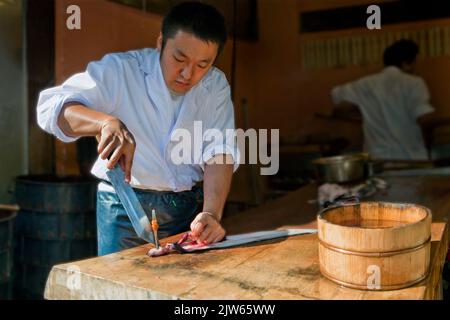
column 246, row 238
column 133, row 207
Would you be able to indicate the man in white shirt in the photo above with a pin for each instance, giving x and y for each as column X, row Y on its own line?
column 393, row 103
column 133, row 102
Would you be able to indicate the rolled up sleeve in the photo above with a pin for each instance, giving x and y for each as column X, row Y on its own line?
column 223, row 121
column 344, row 93
column 420, row 99
column 95, row 88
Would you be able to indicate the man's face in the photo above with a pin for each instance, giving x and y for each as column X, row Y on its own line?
column 185, row 59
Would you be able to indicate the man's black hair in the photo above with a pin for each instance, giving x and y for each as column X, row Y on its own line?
column 402, row 51
column 202, row 20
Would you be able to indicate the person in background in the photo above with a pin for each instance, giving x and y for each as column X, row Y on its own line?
column 394, row 105
column 133, row 101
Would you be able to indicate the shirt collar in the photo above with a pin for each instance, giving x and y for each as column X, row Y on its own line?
column 149, row 63
column 392, row 69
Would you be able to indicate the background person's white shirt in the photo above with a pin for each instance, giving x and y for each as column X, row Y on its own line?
column 390, row 103
column 131, row 87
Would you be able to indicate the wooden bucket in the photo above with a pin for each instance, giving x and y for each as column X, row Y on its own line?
column 375, row 245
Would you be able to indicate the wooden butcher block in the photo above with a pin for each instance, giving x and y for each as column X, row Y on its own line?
column 286, row 268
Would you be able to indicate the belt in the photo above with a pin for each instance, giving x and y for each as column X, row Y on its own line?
column 110, row 188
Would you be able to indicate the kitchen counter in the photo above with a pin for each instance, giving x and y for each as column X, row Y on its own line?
column 285, row 268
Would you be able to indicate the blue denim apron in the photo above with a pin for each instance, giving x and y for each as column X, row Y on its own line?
column 175, row 212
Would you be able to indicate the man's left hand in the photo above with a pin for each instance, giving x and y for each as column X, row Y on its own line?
column 207, row 229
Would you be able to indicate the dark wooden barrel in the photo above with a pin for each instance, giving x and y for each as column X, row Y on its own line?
column 7, row 215
column 56, row 223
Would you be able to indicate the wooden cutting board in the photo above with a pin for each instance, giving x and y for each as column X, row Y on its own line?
column 285, row 268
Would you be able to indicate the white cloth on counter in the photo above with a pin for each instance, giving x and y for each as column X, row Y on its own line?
column 131, row 87
column 390, row 103
column 329, row 192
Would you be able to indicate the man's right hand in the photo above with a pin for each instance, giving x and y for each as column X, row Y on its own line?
column 116, row 144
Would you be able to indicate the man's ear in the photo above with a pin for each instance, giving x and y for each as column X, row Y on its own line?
column 159, row 42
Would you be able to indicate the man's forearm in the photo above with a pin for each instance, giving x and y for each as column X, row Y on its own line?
column 346, row 110
column 216, row 185
column 76, row 120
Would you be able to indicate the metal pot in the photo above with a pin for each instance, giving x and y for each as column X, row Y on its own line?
column 340, row 169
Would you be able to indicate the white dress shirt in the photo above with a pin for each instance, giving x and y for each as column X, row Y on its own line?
column 131, row 87
column 390, row 103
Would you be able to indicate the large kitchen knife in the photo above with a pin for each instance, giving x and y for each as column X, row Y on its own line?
column 127, row 196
